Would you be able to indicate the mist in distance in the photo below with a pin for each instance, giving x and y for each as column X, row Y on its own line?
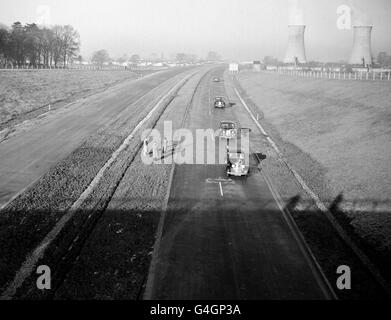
column 236, row 29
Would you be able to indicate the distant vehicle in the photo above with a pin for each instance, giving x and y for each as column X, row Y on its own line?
column 219, row 103
column 216, row 80
column 236, row 164
column 228, row 130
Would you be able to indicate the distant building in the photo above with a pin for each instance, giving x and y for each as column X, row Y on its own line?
column 270, row 61
column 271, row 68
column 384, row 60
column 234, row 67
column 257, row 66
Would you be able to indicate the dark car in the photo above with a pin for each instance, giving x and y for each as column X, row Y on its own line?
column 237, row 165
column 219, row 103
column 228, row 130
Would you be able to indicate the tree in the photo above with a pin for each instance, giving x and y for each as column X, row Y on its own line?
column 70, row 43
column 181, row 57
column 47, row 43
column 57, row 44
column 100, row 57
column 123, row 59
column 33, row 45
column 16, row 44
column 4, row 45
column 135, row 58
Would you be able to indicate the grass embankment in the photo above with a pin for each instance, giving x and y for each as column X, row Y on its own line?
column 26, row 221
column 26, row 94
column 336, row 135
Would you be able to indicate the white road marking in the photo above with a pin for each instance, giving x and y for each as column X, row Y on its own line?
column 219, row 180
column 29, row 264
column 221, row 189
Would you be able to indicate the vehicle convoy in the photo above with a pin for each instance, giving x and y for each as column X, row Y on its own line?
column 237, row 164
column 228, row 130
column 219, row 103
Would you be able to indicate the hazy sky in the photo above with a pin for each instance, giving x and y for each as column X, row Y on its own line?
column 237, row 29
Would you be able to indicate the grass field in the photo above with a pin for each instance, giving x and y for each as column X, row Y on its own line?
column 25, row 94
column 337, row 135
column 46, row 201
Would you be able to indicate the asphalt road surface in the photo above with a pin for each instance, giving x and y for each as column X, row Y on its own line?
column 226, row 238
column 26, row 157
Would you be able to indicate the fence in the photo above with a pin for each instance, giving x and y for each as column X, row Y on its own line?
column 69, row 67
column 338, row 75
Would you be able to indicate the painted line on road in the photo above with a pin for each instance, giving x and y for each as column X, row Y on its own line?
column 221, row 189
column 27, row 268
column 321, row 206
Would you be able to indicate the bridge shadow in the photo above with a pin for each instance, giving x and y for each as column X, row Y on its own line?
column 331, row 251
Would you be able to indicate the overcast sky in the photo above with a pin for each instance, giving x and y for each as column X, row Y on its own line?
column 237, row 29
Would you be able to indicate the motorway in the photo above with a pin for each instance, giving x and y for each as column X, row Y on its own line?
column 26, row 157
column 220, row 238
column 227, row 238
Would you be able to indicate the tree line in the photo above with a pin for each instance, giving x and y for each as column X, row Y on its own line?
column 32, row 45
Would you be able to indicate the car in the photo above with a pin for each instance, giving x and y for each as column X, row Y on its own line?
column 237, row 165
column 219, row 103
column 228, row 130
column 216, row 80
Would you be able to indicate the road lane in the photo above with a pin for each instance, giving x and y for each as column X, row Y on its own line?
column 238, row 246
column 28, row 155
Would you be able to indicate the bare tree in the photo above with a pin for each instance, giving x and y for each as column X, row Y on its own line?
column 100, row 57
column 35, row 46
column 70, row 43
column 4, row 45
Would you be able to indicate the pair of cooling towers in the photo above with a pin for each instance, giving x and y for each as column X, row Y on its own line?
column 361, row 53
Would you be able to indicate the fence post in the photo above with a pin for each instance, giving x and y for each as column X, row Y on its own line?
column 389, row 75
column 374, row 76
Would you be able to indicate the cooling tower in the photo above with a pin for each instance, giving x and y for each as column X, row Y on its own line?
column 362, row 53
column 296, row 50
